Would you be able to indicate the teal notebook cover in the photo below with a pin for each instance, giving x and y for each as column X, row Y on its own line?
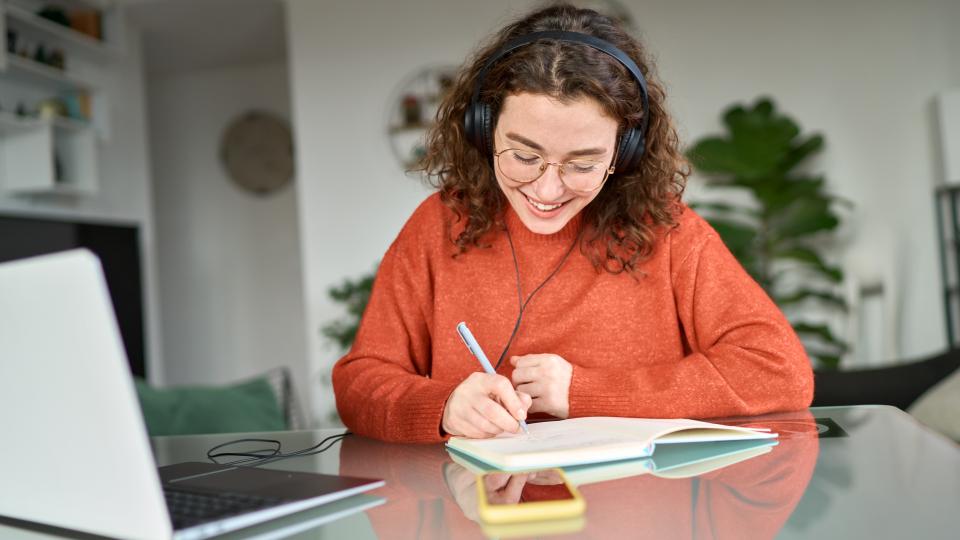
column 668, row 460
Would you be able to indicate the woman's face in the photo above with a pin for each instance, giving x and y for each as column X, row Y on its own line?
column 558, row 132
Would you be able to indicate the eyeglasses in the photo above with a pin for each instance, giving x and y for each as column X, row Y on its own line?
column 524, row 166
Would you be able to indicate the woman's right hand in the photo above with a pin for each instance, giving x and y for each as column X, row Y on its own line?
column 484, row 405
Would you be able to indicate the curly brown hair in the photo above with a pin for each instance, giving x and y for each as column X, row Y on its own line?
column 625, row 215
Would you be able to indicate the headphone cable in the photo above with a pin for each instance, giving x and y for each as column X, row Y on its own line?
column 520, row 301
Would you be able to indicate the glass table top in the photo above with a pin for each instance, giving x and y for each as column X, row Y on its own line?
column 837, row 472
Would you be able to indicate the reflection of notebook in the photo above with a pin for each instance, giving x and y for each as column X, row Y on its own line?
column 669, row 461
column 76, row 450
column 581, row 441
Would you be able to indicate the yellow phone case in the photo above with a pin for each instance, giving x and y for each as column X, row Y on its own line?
column 526, row 529
column 530, row 511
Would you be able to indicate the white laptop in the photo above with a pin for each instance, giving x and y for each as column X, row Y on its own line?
column 75, row 452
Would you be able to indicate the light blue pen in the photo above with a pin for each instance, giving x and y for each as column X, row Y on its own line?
column 474, row 347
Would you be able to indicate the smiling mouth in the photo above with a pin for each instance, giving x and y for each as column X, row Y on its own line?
column 544, row 207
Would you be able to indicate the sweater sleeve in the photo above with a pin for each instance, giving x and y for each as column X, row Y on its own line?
column 743, row 356
column 382, row 386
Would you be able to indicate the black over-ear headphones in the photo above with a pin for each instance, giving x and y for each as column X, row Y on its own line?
column 478, row 123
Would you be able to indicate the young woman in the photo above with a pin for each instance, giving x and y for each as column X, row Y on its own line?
column 558, row 235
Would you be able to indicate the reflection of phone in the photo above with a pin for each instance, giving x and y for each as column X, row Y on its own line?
column 526, row 529
column 527, row 496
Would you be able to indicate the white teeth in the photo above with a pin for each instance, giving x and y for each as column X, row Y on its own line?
column 544, row 207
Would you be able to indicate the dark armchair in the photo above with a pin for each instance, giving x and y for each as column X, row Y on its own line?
column 899, row 385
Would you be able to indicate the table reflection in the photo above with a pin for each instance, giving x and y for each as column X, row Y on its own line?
column 430, row 496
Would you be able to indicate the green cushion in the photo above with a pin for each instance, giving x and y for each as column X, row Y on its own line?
column 188, row 410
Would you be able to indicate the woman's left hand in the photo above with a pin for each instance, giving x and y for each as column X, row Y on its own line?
column 546, row 378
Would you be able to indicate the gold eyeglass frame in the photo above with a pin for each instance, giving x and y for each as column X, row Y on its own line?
column 560, row 165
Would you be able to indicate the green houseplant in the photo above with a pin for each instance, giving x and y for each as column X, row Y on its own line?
column 778, row 235
column 354, row 295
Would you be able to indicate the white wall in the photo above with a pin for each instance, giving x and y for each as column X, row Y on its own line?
column 861, row 72
column 229, row 260
column 124, row 185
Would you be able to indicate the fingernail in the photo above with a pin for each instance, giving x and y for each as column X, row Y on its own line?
column 521, row 414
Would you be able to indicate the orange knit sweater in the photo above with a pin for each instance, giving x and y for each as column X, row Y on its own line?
column 693, row 336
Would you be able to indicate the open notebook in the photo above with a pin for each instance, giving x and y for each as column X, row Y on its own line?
column 669, row 461
column 581, row 441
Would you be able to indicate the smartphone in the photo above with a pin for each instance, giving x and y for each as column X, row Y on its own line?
column 539, row 495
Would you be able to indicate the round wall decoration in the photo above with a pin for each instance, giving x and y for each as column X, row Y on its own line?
column 412, row 111
column 256, row 150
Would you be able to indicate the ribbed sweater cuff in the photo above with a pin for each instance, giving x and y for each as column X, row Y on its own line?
column 422, row 413
column 594, row 392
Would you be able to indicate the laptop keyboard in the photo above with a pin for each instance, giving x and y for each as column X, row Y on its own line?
column 188, row 508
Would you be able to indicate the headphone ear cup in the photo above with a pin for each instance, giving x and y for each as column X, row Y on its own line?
column 477, row 127
column 486, row 128
column 630, row 151
column 470, row 124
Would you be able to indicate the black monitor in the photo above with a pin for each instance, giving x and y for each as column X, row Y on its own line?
column 117, row 245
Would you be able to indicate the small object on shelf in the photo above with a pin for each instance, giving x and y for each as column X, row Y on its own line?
column 417, row 154
column 12, row 41
column 55, row 14
column 58, row 177
column 40, row 55
column 22, row 110
column 77, row 106
column 56, row 59
column 86, row 105
column 445, row 82
column 87, row 22
column 412, row 112
column 51, row 108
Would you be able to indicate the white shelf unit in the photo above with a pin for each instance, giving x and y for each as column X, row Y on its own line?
column 36, row 74
column 47, row 156
column 57, row 155
column 21, row 17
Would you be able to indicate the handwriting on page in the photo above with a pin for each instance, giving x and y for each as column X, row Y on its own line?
column 539, row 441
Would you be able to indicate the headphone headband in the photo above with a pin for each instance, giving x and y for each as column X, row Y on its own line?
column 477, row 121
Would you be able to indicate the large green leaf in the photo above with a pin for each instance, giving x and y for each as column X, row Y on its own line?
column 725, row 208
column 761, row 125
column 800, row 152
column 821, row 332
column 341, row 332
column 803, row 218
column 778, row 192
column 829, row 361
column 759, row 143
column 761, row 137
column 813, row 260
column 714, row 155
column 801, row 295
column 738, row 237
